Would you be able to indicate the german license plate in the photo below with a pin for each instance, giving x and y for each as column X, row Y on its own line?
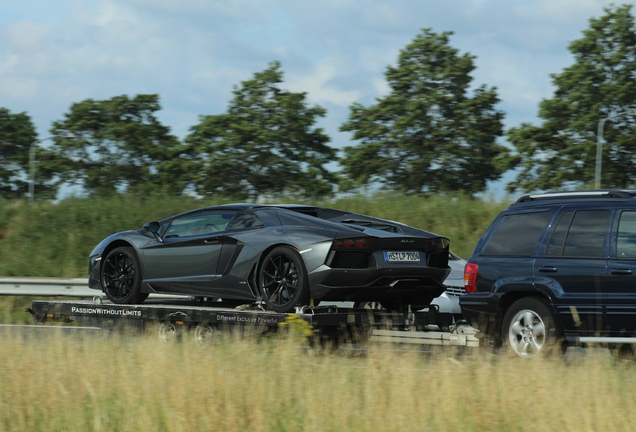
column 401, row 256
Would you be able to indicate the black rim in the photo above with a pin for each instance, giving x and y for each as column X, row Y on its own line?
column 280, row 280
column 119, row 275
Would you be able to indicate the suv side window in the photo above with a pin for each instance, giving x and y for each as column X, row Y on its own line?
column 626, row 239
column 555, row 247
column 518, row 234
column 579, row 234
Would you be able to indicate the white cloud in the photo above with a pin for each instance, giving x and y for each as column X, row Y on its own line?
column 381, row 86
column 110, row 12
column 318, row 88
column 27, row 36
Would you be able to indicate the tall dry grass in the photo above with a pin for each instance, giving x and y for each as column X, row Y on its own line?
column 137, row 384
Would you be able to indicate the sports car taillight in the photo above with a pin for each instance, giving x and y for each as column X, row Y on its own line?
column 350, row 253
column 349, row 243
column 470, row 277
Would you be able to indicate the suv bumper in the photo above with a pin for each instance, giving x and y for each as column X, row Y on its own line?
column 481, row 311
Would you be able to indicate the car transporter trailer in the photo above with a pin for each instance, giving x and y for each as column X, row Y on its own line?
column 200, row 319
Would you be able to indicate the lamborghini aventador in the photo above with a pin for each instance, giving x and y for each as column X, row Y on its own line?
column 280, row 255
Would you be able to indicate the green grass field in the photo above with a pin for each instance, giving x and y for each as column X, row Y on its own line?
column 54, row 240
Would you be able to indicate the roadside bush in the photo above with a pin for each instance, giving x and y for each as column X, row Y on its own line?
column 54, row 239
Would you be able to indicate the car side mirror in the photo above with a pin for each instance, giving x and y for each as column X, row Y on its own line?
column 153, row 227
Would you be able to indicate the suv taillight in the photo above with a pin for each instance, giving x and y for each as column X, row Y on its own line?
column 470, row 277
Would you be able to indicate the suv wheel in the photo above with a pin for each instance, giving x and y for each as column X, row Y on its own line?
column 528, row 328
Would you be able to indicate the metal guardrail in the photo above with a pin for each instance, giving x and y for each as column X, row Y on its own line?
column 39, row 286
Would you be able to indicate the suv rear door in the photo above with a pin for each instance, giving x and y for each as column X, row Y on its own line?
column 572, row 268
column 621, row 275
column 506, row 260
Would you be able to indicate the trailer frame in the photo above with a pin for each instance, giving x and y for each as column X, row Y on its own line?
column 176, row 317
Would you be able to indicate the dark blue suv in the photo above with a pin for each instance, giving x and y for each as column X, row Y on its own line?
column 555, row 269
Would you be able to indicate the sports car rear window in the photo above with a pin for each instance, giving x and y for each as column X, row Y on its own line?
column 245, row 221
column 383, row 226
column 288, row 218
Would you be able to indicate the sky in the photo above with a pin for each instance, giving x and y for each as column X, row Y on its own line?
column 192, row 53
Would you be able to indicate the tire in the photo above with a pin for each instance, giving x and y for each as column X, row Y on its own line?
column 383, row 305
column 395, row 306
column 368, row 305
column 121, row 276
column 282, row 280
column 529, row 330
column 169, row 333
column 204, row 334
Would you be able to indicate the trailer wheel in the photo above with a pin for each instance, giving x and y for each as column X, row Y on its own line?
column 383, row 305
column 282, row 280
column 121, row 276
column 368, row 305
column 204, row 334
column 169, row 332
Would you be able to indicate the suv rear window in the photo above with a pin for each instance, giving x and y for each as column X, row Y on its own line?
column 517, row 234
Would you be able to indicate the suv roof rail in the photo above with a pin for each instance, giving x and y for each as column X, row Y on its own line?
column 598, row 193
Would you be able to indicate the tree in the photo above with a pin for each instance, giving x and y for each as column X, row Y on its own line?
column 17, row 134
column 428, row 134
column 117, row 145
column 561, row 153
column 264, row 144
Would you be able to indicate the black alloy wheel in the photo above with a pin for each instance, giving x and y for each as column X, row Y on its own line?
column 121, row 276
column 282, row 280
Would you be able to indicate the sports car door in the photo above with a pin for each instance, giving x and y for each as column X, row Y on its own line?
column 186, row 261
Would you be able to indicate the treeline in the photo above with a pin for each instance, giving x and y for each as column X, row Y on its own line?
column 54, row 240
column 434, row 132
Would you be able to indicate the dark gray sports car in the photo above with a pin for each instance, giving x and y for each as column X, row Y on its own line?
column 284, row 255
